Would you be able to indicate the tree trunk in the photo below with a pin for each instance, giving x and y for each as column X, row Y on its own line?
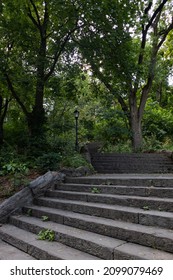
column 36, row 122
column 135, row 124
column 37, row 119
column 1, row 134
column 136, row 129
column 3, row 112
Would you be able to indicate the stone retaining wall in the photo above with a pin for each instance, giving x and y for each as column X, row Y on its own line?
column 25, row 196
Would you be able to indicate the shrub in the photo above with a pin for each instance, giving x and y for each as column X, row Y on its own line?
column 49, row 161
column 13, row 168
column 74, row 160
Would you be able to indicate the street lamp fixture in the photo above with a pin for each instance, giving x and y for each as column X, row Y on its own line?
column 76, row 115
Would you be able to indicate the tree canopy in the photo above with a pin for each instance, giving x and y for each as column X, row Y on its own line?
column 112, row 59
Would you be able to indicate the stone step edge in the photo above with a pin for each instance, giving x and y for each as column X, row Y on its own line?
column 40, row 249
column 128, row 156
column 143, row 191
column 124, row 162
column 116, row 212
column 9, row 252
column 158, row 238
column 157, row 203
column 109, row 185
column 117, row 190
column 149, row 181
column 96, row 245
column 87, row 194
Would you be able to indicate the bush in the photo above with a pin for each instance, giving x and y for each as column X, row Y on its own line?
column 50, row 161
column 11, row 162
column 157, row 122
column 14, row 167
column 117, row 148
column 152, row 144
column 74, row 160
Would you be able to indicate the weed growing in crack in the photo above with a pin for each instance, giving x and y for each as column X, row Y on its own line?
column 95, row 190
column 46, row 234
column 29, row 212
column 45, row 218
column 146, row 208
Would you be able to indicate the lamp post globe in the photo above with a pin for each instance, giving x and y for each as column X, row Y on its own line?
column 76, row 114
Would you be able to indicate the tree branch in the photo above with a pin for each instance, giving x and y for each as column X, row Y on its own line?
column 32, row 18
column 157, row 11
column 109, row 87
column 166, row 32
column 148, row 7
column 5, row 109
column 144, row 38
column 59, row 51
column 46, row 16
column 36, row 12
column 14, row 94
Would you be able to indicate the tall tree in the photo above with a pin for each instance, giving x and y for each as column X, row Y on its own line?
column 122, row 43
column 35, row 35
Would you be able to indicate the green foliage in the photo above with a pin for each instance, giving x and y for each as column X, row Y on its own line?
column 18, row 180
column 97, row 75
column 48, row 161
column 64, row 143
column 13, row 164
column 121, row 147
column 29, row 212
column 95, row 190
column 111, row 126
column 13, row 168
column 146, row 208
column 46, row 234
column 152, row 144
column 74, row 160
column 157, row 127
column 45, row 218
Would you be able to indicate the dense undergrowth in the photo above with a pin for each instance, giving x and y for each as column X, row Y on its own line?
column 17, row 170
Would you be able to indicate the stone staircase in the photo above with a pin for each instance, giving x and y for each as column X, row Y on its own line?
column 132, row 163
column 118, row 216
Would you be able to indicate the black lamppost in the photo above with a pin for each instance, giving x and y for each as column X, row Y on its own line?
column 76, row 114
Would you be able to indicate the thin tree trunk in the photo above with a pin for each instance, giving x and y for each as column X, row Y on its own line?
column 136, row 129
column 3, row 112
column 135, row 123
column 1, row 135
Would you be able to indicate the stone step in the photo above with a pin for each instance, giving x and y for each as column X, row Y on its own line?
column 97, row 245
column 150, row 156
column 121, row 190
column 115, row 212
column 135, row 162
column 156, row 180
column 103, row 216
column 129, row 163
column 40, row 249
column 8, row 252
column 129, row 168
column 125, row 161
column 113, row 171
column 163, row 204
column 150, row 236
